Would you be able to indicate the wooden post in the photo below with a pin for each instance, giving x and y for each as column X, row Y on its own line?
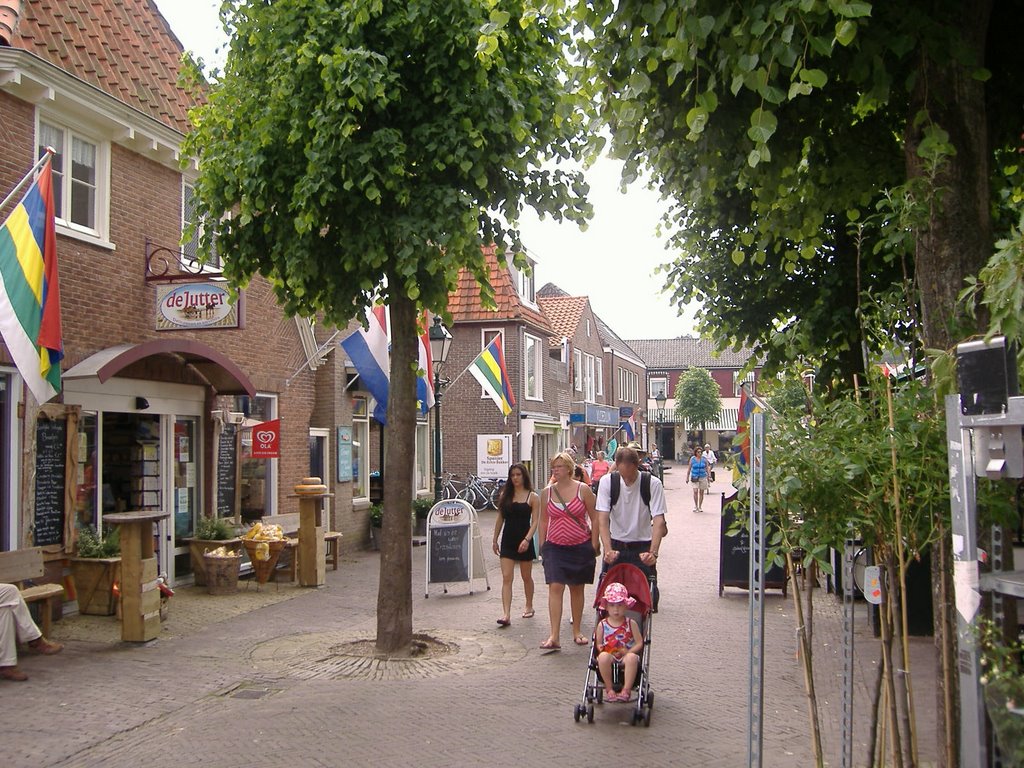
column 140, row 593
column 312, row 552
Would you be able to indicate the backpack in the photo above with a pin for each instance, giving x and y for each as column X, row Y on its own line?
column 645, row 487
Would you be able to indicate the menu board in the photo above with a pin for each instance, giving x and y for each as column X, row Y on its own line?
column 51, row 446
column 448, row 551
column 227, row 471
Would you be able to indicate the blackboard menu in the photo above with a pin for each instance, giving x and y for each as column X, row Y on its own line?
column 734, row 559
column 227, row 471
column 51, row 446
column 448, row 551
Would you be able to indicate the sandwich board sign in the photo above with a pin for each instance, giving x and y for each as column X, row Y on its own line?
column 455, row 552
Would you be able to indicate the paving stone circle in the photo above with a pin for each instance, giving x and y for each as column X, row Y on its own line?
column 337, row 655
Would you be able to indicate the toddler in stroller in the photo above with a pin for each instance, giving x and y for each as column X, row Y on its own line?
column 620, row 651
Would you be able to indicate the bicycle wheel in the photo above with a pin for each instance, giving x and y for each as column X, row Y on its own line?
column 480, row 498
column 499, row 486
column 467, row 494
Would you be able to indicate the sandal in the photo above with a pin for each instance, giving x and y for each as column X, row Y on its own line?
column 581, row 640
column 547, row 645
column 504, row 622
column 528, row 614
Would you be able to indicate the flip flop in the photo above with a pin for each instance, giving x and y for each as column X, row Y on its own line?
column 581, row 640
column 528, row 614
column 504, row 622
column 547, row 645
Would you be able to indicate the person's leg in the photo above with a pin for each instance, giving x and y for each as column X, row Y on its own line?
column 696, row 501
column 604, row 666
column 702, row 485
column 576, row 607
column 526, row 571
column 630, row 663
column 8, row 638
column 508, row 569
column 556, row 593
column 25, row 627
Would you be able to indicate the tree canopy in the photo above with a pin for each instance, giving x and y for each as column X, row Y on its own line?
column 697, row 398
column 366, row 151
column 812, row 151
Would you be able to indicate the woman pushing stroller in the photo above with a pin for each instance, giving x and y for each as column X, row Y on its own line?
column 618, row 640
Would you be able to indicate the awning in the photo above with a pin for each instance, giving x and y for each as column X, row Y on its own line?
column 726, row 421
column 216, row 367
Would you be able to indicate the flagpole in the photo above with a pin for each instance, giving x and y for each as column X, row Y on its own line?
column 50, row 151
column 311, row 358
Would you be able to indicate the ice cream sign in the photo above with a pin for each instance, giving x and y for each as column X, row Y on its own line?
column 195, row 305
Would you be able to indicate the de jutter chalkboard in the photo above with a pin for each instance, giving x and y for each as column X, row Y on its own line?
column 51, row 445
column 448, row 551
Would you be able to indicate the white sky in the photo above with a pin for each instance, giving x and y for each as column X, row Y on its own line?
column 612, row 262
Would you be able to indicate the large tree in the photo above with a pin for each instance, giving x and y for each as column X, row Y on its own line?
column 814, row 151
column 698, row 398
column 364, row 151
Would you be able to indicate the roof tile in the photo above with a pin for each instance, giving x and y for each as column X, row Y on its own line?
column 465, row 306
column 686, row 351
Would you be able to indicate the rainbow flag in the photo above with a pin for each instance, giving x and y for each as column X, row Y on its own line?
column 489, row 369
column 747, row 408
column 29, row 294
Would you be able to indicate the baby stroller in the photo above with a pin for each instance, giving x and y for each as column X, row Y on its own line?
column 639, row 588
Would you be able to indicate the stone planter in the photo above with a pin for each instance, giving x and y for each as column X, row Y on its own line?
column 197, row 548
column 94, row 579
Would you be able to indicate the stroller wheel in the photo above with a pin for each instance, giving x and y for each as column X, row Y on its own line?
column 600, row 695
column 647, row 718
column 590, row 713
column 577, row 712
column 637, row 717
column 650, row 700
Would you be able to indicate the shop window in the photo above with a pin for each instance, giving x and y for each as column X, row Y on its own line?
column 259, row 476
column 360, row 449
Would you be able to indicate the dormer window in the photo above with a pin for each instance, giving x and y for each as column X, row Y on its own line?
column 525, row 284
column 80, row 178
column 190, row 249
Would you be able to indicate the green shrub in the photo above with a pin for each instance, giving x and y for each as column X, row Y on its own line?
column 421, row 507
column 376, row 515
column 91, row 544
column 215, row 528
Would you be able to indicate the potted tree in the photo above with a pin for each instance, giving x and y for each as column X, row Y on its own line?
column 211, row 533
column 376, row 522
column 95, row 568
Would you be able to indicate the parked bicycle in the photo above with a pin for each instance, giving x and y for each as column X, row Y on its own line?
column 480, row 492
column 450, row 487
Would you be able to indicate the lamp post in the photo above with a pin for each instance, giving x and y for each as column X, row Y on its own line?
column 660, row 400
column 440, row 344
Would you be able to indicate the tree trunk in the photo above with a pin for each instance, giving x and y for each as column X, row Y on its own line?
column 394, row 595
column 955, row 243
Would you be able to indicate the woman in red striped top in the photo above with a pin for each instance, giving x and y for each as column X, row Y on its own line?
column 571, row 542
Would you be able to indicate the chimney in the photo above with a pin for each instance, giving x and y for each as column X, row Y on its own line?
column 10, row 11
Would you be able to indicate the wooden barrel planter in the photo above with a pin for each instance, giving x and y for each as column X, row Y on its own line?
column 222, row 573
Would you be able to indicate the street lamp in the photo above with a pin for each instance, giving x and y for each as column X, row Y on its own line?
column 440, row 344
column 660, row 400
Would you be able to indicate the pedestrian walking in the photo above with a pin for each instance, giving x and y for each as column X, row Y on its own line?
column 517, row 520
column 697, row 473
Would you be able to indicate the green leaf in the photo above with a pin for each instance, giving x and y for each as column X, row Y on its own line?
column 846, row 31
column 738, row 257
column 799, row 89
column 852, row 10
column 763, row 124
column 815, row 77
column 696, row 120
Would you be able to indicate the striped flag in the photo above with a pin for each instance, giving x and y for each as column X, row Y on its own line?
column 747, row 407
column 425, row 381
column 489, row 369
column 369, row 353
column 29, row 293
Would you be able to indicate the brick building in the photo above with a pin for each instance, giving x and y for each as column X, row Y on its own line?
column 152, row 397
column 666, row 361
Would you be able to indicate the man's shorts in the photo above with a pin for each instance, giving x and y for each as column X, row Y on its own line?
column 702, row 483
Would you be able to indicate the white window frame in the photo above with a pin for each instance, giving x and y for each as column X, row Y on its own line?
column 533, row 359
column 422, row 478
column 588, row 378
column 361, row 441
column 189, row 258
column 527, row 285
column 577, row 370
column 599, row 375
column 486, row 337
column 737, row 383
column 99, row 233
column 658, row 384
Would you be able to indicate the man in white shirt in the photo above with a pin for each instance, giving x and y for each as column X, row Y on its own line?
column 631, row 529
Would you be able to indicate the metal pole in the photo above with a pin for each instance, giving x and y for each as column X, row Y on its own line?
column 437, row 437
column 47, row 154
column 755, row 708
column 846, row 693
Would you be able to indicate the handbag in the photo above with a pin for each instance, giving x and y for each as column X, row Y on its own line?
column 585, row 528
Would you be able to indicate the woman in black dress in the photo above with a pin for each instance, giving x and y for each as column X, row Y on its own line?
column 518, row 515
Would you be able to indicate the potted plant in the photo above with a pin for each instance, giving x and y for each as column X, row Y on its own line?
column 95, row 568
column 376, row 522
column 421, row 509
column 211, row 532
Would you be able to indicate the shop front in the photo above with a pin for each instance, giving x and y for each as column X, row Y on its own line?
column 146, row 443
column 592, row 425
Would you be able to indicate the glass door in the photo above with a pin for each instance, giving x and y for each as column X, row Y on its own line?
column 184, row 492
column 320, row 462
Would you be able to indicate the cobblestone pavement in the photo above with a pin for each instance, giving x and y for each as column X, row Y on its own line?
column 266, row 686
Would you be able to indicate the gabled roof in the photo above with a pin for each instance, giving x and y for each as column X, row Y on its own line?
column 550, row 289
column 611, row 339
column 464, row 302
column 686, row 351
column 124, row 48
column 564, row 312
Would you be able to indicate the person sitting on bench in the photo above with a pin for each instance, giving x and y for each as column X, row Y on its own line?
column 16, row 626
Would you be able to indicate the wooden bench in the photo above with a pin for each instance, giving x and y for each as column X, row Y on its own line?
column 290, row 525
column 23, row 565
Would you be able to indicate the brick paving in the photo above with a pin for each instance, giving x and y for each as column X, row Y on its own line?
column 222, row 688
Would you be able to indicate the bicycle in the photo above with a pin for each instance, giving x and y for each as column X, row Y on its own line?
column 479, row 492
column 450, row 487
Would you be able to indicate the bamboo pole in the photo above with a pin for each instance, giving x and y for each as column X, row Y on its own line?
column 805, row 662
column 892, row 723
column 902, row 565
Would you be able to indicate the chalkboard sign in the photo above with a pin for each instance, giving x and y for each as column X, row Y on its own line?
column 227, row 471
column 734, row 559
column 51, row 448
column 448, row 551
